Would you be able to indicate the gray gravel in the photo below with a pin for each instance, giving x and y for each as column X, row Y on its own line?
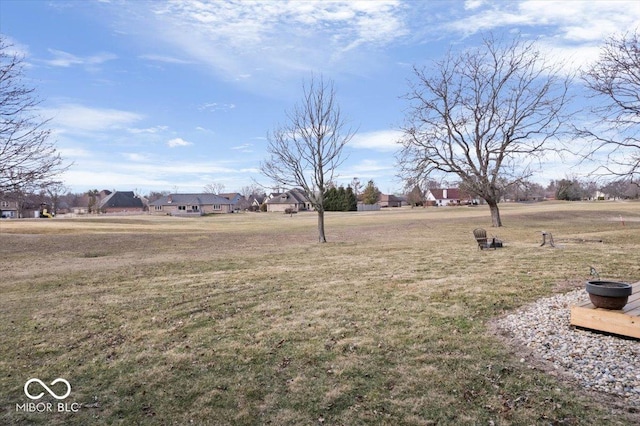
column 599, row 362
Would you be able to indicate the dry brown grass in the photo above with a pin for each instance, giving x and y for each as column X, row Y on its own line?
column 244, row 319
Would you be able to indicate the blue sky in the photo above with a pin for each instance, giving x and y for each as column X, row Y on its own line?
column 154, row 95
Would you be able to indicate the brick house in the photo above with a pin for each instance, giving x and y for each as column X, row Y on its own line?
column 191, row 205
column 389, row 200
column 121, row 202
column 295, row 200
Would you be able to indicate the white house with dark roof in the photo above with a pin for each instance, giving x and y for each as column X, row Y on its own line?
column 449, row 197
column 191, row 205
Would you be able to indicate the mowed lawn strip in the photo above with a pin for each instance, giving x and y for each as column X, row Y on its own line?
column 245, row 319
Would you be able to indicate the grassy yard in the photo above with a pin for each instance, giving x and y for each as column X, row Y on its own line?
column 245, row 319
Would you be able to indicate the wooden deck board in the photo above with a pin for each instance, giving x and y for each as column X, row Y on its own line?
column 625, row 322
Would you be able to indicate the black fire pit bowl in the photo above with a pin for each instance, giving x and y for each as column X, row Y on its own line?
column 608, row 294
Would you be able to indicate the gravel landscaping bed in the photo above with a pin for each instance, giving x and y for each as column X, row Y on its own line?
column 600, row 362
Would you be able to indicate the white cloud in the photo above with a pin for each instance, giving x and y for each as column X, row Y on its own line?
column 368, row 166
column 243, row 40
column 164, row 58
column 473, row 4
column 245, row 148
column 568, row 32
column 136, row 156
column 215, row 107
column 147, row 173
column 65, row 59
column 149, row 130
column 382, row 140
column 381, row 171
column 176, row 142
column 80, row 118
column 89, row 178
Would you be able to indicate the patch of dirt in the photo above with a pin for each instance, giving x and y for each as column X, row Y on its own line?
column 565, row 286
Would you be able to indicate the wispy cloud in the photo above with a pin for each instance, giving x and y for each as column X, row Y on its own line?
column 367, row 166
column 80, row 118
column 177, row 142
column 245, row 148
column 242, row 40
column 215, row 107
column 575, row 27
column 365, row 170
column 65, row 59
column 136, row 157
column 577, row 20
column 150, row 173
column 382, row 140
column 165, row 59
column 149, row 130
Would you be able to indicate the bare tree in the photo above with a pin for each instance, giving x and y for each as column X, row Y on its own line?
column 94, row 200
column 614, row 81
column 54, row 192
column 214, row 188
column 484, row 115
column 250, row 190
column 356, row 185
column 27, row 157
column 306, row 151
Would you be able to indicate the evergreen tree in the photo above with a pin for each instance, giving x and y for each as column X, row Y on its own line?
column 371, row 193
column 330, row 199
column 352, row 201
column 340, row 199
column 342, row 204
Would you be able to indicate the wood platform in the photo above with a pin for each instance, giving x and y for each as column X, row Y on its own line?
column 625, row 322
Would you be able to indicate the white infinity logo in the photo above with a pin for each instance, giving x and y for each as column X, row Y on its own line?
column 53, row 394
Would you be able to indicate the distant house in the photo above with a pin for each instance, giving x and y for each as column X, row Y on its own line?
column 449, row 197
column 191, row 205
column 121, row 202
column 62, row 207
column 388, row 200
column 8, row 209
column 296, row 200
column 90, row 203
column 237, row 201
column 255, row 201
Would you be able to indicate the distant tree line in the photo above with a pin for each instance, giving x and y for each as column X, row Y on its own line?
column 572, row 189
column 575, row 190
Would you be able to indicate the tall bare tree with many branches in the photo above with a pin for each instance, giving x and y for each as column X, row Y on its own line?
column 614, row 81
column 27, row 157
column 306, row 151
column 483, row 115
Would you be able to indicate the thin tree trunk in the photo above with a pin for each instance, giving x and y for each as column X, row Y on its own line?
column 321, row 237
